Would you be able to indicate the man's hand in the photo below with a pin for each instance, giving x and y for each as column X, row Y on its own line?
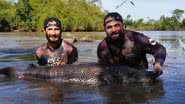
column 157, row 68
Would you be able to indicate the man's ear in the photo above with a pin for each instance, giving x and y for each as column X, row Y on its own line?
column 62, row 29
column 124, row 25
column 104, row 27
column 43, row 30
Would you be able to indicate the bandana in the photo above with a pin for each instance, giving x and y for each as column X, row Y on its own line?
column 52, row 22
column 110, row 19
column 48, row 25
column 114, row 16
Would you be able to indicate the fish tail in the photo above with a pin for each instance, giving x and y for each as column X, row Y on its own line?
column 8, row 71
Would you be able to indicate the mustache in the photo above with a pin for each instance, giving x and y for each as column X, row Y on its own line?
column 115, row 33
column 53, row 35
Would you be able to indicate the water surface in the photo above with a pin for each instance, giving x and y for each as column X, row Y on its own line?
column 17, row 49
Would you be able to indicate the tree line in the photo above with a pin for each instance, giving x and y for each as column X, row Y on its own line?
column 175, row 22
column 29, row 15
column 76, row 15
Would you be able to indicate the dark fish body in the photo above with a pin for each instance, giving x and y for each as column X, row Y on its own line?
column 89, row 73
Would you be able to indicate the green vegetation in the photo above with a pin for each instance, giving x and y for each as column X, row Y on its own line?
column 175, row 22
column 76, row 15
column 28, row 15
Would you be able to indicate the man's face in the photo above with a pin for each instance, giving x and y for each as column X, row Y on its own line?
column 113, row 29
column 53, row 33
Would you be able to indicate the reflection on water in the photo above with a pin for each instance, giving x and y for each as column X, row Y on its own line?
column 134, row 93
column 38, row 91
column 17, row 49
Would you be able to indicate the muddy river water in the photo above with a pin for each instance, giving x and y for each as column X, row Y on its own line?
column 17, row 49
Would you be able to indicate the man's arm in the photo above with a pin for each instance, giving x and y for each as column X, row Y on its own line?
column 102, row 54
column 73, row 56
column 42, row 60
column 99, row 55
column 156, row 49
column 159, row 53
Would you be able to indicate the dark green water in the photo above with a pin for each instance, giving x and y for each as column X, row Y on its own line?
column 17, row 49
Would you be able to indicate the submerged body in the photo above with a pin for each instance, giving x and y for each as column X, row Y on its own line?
column 89, row 73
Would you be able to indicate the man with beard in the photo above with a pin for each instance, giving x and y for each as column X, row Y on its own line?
column 126, row 47
column 56, row 51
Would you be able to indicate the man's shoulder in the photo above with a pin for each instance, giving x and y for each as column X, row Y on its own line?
column 133, row 33
column 102, row 44
column 40, row 50
column 67, row 44
column 43, row 46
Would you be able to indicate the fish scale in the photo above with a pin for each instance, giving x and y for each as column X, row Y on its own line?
column 90, row 73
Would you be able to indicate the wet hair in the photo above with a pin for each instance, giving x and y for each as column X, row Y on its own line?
column 50, row 19
column 115, row 17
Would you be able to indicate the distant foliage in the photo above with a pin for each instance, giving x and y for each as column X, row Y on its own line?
column 28, row 15
column 76, row 15
column 7, row 12
column 175, row 22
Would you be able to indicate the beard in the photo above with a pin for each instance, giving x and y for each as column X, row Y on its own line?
column 116, row 38
column 115, row 44
column 53, row 38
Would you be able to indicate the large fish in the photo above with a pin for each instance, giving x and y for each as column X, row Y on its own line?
column 89, row 73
